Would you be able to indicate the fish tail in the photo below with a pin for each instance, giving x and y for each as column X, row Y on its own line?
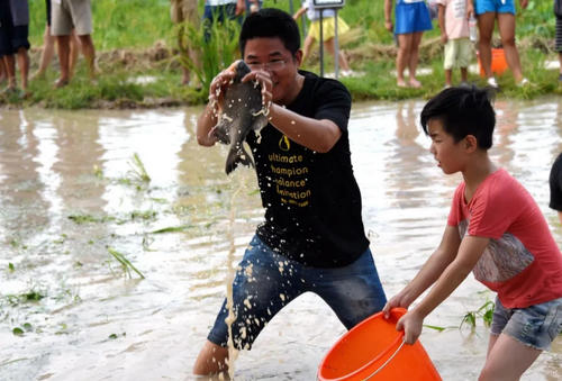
column 238, row 156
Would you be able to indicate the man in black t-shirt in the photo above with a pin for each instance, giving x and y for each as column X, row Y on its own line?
column 556, row 187
column 313, row 237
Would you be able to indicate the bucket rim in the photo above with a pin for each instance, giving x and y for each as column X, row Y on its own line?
column 398, row 312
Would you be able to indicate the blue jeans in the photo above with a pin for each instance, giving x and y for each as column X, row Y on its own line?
column 218, row 14
column 536, row 326
column 267, row 281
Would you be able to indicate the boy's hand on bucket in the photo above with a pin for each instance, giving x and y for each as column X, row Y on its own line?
column 411, row 323
column 399, row 301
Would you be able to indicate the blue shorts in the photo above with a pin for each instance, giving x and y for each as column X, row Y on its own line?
column 267, row 281
column 496, row 6
column 536, row 326
column 411, row 18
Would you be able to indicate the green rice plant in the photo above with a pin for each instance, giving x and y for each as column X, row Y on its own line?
column 138, row 171
column 125, row 263
column 84, row 219
column 485, row 312
column 172, row 229
column 215, row 45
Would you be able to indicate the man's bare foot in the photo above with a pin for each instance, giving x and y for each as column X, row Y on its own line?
column 60, row 83
column 415, row 83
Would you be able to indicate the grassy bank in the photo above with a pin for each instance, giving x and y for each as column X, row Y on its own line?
column 139, row 65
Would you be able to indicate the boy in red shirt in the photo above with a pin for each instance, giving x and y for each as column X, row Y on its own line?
column 496, row 230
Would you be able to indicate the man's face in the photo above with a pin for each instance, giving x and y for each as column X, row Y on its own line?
column 269, row 54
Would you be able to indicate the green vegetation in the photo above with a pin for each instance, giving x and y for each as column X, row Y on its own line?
column 485, row 312
column 138, row 56
column 126, row 265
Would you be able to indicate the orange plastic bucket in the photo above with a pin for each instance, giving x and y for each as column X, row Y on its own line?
column 373, row 351
column 499, row 64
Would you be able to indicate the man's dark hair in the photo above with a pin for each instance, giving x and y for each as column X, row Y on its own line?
column 463, row 111
column 271, row 22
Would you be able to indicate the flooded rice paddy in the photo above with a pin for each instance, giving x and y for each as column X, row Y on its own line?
column 73, row 200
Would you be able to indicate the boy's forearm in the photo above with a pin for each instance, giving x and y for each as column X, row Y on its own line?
column 427, row 275
column 453, row 276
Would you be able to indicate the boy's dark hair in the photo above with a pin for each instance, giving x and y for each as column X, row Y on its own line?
column 271, row 22
column 463, row 111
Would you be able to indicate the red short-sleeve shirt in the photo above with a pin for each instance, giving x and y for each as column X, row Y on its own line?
column 522, row 263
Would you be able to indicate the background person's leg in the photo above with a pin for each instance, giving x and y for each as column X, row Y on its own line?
column 63, row 48
column 46, row 53
column 414, row 58
column 506, row 26
column 23, row 65
column 403, row 57
column 89, row 53
column 331, row 48
column 75, row 46
column 10, row 66
column 485, row 28
column 307, row 47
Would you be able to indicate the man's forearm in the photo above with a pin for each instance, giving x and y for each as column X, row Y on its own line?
column 207, row 120
column 317, row 135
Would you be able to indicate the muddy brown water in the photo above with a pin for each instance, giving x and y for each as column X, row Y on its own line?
column 69, row 190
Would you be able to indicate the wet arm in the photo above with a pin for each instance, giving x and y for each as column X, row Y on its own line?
column 209, row 117
column 207, row 120
column 470, row 251
column 434, row 267
column 317, row 135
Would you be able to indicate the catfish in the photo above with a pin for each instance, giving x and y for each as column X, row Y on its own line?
column 241, row 113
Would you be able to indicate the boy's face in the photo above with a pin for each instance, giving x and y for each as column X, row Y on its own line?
column 448, row 154
column 269, row 54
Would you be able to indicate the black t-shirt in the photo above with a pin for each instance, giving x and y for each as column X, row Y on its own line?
column 312, row 201
column 556, row 184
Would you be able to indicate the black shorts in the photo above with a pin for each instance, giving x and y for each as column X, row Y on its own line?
column 12, row 38
column 49, row 17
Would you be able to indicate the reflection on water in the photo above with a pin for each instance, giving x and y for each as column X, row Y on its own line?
column 68, row 191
